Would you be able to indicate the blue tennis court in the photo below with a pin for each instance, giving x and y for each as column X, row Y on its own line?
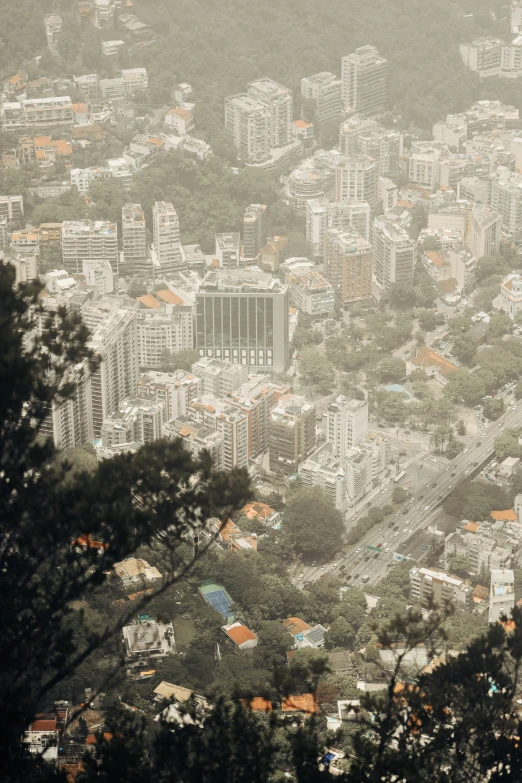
column 217, row 597
column 219, row 600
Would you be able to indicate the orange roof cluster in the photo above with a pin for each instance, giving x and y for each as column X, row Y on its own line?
column 43, row 724
column 86, row 542
column 302, row 124
column 257, row 510
column 471, row 527
column 79, row 108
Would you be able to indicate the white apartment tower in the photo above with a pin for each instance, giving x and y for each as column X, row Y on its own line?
column 134, row 236
column 364, row 76
column 347, row 424
column 501, row 594
column 393, row 252
column 322, row 214
column 506, row 198
column 246, row 119
column 114, row 341
column 88, row 240
column 278, row 101
column 160, row 330
column 166, row 237
column 325, row 89
column 69, row 422
column 358, row 180
column 175, row 389
column 228, row 250
column 486, row 231
column 254, row 230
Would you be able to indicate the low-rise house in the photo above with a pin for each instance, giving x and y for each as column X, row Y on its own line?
column 435, row 364
column 135, row 571
column 314, row 638
column 242, row 636
column 303, row 704
column 148, row 639
column 168, row 691
column 295, row 625
column 41, row 738
column 180, row 120
column 261, row 512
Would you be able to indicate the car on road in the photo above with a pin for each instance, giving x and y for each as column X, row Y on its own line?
column 334, row 565
column 396, row 527
column 465, row 451
column 447, row 468
column 466, row 472
column 301, row 576
column 356, row 576
column 368, row 505
column 354, row 517
column 380, row 527
column 450, row 486
column 395, row 534
column 357, row 550
column 390, row 524
column 478, row 444
column 412, row 500
column 387, row 549
column 323, row 568
column 426, row 508
column 397, row 513
column 348, row 577
column 314, row 563
column 454, row 473
column 421, row 497
column 482, row 436
column 439, row 497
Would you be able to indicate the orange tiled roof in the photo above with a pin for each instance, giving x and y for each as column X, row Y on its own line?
column 257, row 510
column 302, row 124
column 91, row 738
column 42, row 141
column 228, row 528
column 258, row 704
column 182, row 113
column 41, row 154
column 240, row 634
column 508, row 284
column 79, row 107
column 296, row 625
column 149, row 301
column 508, row 515
column 169, row 297
column 62, row 147
column 303, row 703
column 436, row 258
column 472, row 527
column 88, row 543
column 43, row 724
column 430, row 358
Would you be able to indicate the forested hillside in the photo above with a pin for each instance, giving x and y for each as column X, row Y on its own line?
column 218, row 47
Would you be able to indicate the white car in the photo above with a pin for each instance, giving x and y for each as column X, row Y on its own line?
column 357, row 550
column 426, row 508
column 396, row 534
column 301, row 576
column 387, row 549
column 334, row 565
column 323, row 568
column 465, row 451
column 483, row 435
column 447, row 468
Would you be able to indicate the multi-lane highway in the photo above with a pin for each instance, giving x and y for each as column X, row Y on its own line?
column 419, row 510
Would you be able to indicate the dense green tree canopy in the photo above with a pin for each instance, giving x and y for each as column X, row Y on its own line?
column 312, row 522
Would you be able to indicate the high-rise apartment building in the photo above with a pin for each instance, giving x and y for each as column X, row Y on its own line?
column 228, row 250
column 88, row 240
column 231, row 422
column 99, row 274
column 325, row 89
column 136, row 420
column 322, row 214
column 291, row 435
column 164, row 329
column 278, row 101
column 12, row 208
column 432, row 587
column 53, row 27
column 175, row 389
column 134, row 237
column 219, row 377
column 501, row 594
column 322, row 470
column 506, row 198
column 255, row 398
column 384, row 145
column 364, row 77
column 196, row 438
column 166, row 237
column 243, row 316
column 357, row 180
column 114, row 341
column 347, row 424
column 69, row 422
column 348, row 265
column 246, row 119
column 486, row 231
column 365, row 466
column 254, row 230
column 393, row 252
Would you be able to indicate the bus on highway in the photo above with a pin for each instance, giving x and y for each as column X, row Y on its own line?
column 400, row 477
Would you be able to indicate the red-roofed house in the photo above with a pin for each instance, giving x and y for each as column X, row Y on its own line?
column 41, row 738
column 180, row 120
column 258, row 704
column 242, row 636
column 441, row 367
column 295, row 625
column 261, row 512
column 304, row 703
column 302, row 130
